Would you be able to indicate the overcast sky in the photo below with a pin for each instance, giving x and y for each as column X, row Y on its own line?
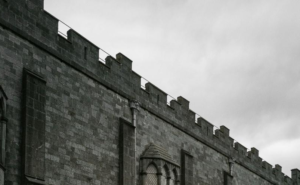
column 236, row 61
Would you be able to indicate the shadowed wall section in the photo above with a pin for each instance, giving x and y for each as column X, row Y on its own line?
column 187, row 168
column 34, row 128
column 126, row 139
column 3, row 124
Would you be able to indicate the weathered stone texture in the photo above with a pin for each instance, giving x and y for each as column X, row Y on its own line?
column 34, row 120
column 127, row 149
column 82, row 119
column 208, row 164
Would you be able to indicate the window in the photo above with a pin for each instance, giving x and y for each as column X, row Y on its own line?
column 85, row 53
column 157, row 167
column 151, row 178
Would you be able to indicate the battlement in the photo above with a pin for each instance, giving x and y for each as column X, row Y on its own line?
column 117, row 75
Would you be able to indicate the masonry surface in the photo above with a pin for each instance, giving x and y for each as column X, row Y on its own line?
column 68, row 117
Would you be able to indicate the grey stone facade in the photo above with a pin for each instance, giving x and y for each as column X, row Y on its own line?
column 67, row 118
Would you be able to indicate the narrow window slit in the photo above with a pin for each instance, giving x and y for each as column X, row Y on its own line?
column 85, row 53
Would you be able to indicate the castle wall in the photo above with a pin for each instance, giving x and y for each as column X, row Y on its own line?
column 208, row 164
column 82, row 118
column 84, row 102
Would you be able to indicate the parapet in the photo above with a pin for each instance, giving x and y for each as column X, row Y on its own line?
column 296, row 176
column 223, row 135
column 184, row 102
column 206, row 127
column 156, row 95
column 85, row 52
column 126, row 62
column 41, row 28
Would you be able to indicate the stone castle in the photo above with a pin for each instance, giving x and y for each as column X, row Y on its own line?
column 68, row 119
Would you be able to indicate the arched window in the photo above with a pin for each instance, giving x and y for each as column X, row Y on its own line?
column 151, row 178
column 158, row 167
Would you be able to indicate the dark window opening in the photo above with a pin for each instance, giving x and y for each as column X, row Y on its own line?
column 85, row 53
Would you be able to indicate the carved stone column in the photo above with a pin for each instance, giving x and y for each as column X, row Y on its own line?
column 231, row 163
column 228, row 176
column 127, row 142
column 159, row 176
column 134, row 107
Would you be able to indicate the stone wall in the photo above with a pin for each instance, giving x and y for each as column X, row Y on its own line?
column 85, row 100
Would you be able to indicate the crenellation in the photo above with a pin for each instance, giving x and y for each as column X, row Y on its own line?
column 225, row 130
column 80, row 41
column 242, row 151
column 35, row 4
column 121, row 74
column 255, row 152
column 112, row 63
column 136, row 82
column 259, row 163
column 184, row 102
column 253, row 155
column 223, row 135
column 175, row 104
column 278, row 168
column 250, row 156
column 157, row 96
column 29, row 19
column 220, row 135
column 64, row 46
column 267, row 167
column 191, row 118
column 231, row 143
column 287, row 180
column 117, row 74
column 49, row 23
column 255, row 162
column 125, row 61
column 296, row 176
column 206, row 127
column 184, row 115
column 277, row 171
column 84, row 52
